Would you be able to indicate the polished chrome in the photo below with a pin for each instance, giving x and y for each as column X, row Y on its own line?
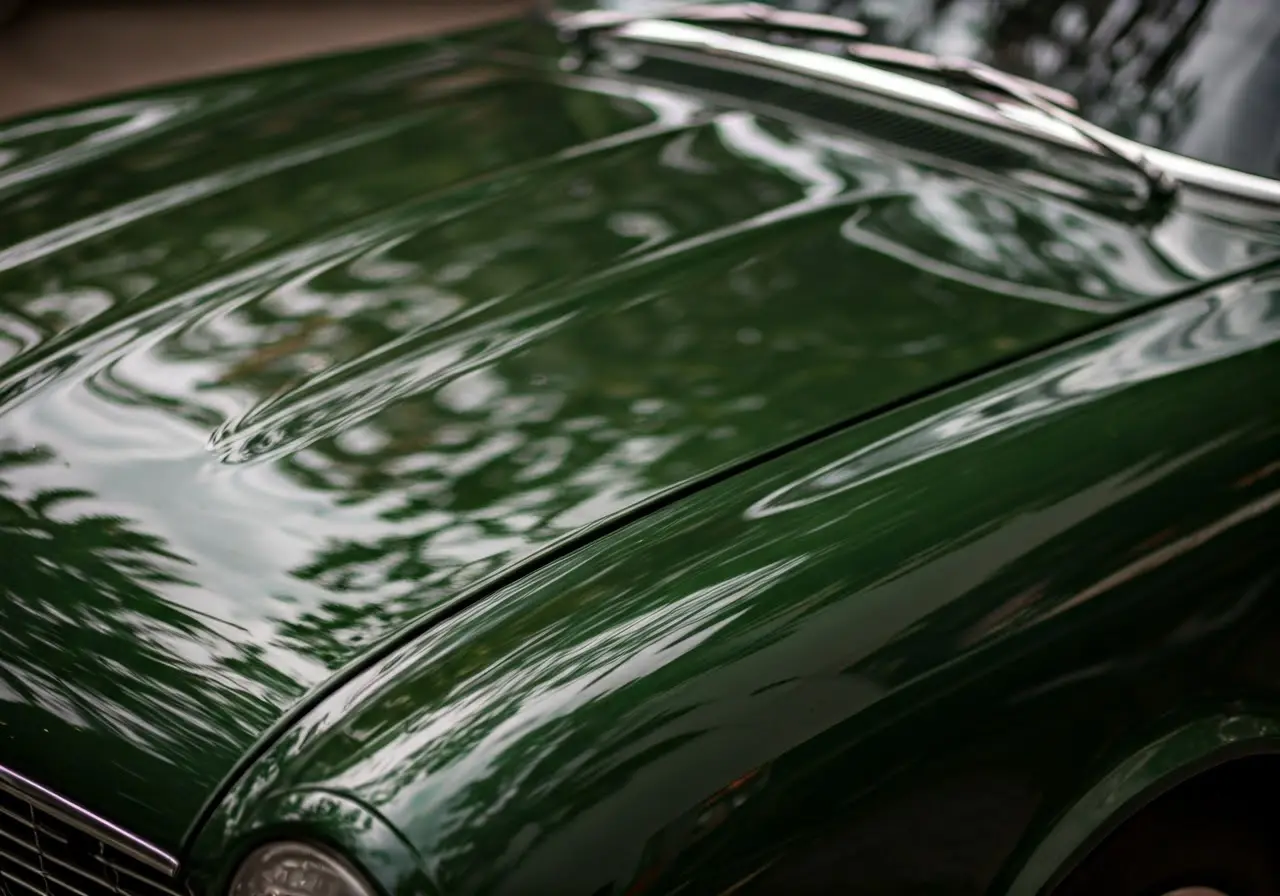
column 881, row 54
column 1160, row 184
column 292, row 868
column 760, row 15
column 897, row 91
column 85, row 821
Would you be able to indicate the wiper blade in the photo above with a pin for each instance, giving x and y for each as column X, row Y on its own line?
column 913, row 60
column 759, row 15
column 1160, row 184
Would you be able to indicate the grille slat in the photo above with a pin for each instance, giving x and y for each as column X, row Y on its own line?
column 15, row 839
column 26, row 885
column 112, row 875
column 150, row 884
column 42, row 854
column 14, row 868
column 90, row 877
column 25, row 821
column 65, row 886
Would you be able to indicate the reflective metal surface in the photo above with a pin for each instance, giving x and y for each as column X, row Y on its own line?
column 51, row 847
column 290, row 868
column 924, row 63
column 45, row 800
column 752, row 14
column 1159, row 185
column 722, row 49
column 1194, row 78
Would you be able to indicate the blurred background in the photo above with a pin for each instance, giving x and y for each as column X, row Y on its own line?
column 54, row 52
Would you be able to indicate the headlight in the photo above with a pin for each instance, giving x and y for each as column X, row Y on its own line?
column 296, row 869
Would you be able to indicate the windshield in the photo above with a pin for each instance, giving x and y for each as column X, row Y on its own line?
column 1196, row 77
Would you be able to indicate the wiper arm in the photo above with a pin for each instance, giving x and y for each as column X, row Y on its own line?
column 1160, row 184
column 915, row 61
column 759, row 15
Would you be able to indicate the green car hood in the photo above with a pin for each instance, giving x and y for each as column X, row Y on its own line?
column 289, row 360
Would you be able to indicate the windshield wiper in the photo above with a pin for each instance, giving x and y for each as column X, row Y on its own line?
column 916, row 61
column 1160, row 185
column 758, row 15
column 668, row 29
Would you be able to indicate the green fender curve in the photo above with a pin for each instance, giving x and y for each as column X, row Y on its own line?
column 1146, row 774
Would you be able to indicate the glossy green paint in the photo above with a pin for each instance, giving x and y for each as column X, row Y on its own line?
column 295, row 362
column 1150, row 771
column 884, row 663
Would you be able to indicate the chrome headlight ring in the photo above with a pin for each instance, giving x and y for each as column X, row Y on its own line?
column 293, row 868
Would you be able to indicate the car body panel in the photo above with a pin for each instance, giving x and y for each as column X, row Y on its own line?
column 294, row 362
column 799, row 680
column 1150, row 771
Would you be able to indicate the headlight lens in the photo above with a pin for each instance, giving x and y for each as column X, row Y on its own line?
column 296, row 869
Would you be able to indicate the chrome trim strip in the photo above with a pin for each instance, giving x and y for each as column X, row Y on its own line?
column 84, row 820
column 924, row 62
column 932, row 97
column 760, row 15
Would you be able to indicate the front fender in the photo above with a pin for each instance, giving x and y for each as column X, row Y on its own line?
column 1138, row 780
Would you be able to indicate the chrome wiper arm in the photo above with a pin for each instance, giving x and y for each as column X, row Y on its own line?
column 916, row 61
column 758, row 15
column 1160, row 184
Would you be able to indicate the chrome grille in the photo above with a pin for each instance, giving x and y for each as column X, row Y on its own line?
column 43, row 854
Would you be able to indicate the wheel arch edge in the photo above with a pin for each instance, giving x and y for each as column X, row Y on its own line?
column 1162, row 764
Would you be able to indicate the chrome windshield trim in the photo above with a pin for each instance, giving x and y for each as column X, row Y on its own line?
column 924, row 62
column 82, row 819
column 1012, row 116
column 753, row 14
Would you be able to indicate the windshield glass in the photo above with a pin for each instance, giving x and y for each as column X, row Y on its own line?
column 1196, row 77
